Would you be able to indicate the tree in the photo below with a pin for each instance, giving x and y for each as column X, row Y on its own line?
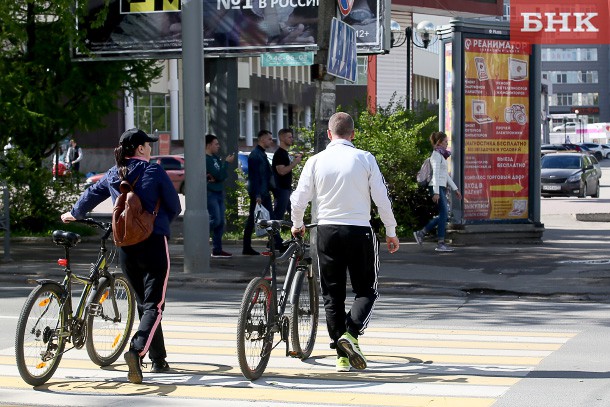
column 45, row 95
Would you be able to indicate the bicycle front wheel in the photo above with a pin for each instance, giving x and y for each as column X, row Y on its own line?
column 109, row 329
column 40, row 339
column 305, row 313
column 254, row 334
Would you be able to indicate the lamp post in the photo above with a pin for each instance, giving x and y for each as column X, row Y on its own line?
column 426, row 31
column 565, row 129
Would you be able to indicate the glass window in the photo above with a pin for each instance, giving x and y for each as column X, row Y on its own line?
column 572, row 76
column 570, row 99
column 152, row 112
column 569, row 54
column 242, row 119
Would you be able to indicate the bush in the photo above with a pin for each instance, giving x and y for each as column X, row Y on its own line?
column 399, row 140
column 36, row 200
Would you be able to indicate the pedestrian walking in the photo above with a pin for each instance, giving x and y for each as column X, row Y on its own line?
column 438, row 190
column 74, row 156
column 259, row 185
column 341, row 181
column 216, row 169
column 146, row 264
column 282, row 167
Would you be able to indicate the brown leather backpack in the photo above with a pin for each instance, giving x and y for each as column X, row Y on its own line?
column 131, row 223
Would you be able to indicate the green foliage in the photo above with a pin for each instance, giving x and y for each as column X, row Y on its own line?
column 36, row 201
column 398, row 138
column 45, row 95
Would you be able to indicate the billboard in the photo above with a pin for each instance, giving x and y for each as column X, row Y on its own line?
column 153, row 29
column 496, row 129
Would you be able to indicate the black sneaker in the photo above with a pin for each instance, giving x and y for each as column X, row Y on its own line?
column 250, row 252
column 159, row 366
column 134, row 363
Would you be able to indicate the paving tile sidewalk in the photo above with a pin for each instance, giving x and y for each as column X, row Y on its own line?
column 572, row 261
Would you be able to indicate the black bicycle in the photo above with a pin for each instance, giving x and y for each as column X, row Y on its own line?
column 261, row 314
column 102, row 320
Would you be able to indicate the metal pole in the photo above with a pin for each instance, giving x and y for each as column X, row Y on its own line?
column 409, row 35
column 196, row 217
column 7, row 223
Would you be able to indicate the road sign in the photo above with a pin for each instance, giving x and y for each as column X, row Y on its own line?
column 287, row 59
column 342, row 58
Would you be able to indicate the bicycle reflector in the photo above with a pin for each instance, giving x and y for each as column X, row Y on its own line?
column 62, row 262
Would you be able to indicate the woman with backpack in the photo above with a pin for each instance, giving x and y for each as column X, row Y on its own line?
column 146, row 264
column 438, row 190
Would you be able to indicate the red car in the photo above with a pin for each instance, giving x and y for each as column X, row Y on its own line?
column 172, row 164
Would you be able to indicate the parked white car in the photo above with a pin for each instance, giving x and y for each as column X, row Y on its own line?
column 606, row 150
column 570, row 128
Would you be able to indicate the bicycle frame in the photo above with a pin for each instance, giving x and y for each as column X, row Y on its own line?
column 295, row 253
column 98, row 271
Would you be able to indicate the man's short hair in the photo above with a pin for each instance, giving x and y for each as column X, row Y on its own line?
column 209, row 138
column 284, row 131
column 262, row 133
column 341, row 124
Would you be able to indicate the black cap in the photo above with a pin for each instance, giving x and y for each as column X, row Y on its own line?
column 136, row 137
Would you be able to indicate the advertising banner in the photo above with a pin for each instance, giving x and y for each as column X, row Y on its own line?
column 448, row 89
column 153, row 29
column 496, row 129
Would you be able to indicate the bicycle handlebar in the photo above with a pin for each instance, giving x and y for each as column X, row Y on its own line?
column 278, row 224
column 96, row 223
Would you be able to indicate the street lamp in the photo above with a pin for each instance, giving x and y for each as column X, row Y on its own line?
column 425, row 34
column 565, row 129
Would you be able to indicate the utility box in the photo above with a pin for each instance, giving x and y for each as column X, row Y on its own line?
column 491, row 109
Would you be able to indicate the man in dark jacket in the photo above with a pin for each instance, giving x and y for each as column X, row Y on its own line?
column 259, row 185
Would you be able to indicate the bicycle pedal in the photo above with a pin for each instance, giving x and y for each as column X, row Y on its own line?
column 95, row 310
column 294, row 354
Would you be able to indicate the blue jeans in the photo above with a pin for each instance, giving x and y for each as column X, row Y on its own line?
column 216, row 209
column 439, row 221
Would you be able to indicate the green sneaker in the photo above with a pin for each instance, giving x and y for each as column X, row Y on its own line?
column 343, row 364
column 348, row 344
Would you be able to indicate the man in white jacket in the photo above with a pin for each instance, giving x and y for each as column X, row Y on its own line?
column 341, row 181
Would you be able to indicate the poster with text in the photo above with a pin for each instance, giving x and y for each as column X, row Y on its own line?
column 153, row 28
column 496, row 129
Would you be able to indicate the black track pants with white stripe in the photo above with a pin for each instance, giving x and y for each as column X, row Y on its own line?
column 343, row 248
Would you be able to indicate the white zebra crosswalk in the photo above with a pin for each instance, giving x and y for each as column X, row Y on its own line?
column 407, row 367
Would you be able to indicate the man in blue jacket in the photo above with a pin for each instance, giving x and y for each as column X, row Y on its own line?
column 259, row 185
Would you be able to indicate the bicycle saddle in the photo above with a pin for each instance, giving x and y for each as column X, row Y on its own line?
column 67, row 239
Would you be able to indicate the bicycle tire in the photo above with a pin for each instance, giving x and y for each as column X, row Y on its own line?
column 254, row 335
column 39, row 340
column 106, row 338
column 304, row 315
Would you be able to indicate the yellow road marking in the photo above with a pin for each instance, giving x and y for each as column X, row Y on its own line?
column 423, row 343
column 252, row 393
column 312, row 372
column 432, row 331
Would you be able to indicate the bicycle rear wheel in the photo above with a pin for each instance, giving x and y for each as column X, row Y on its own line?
column 305, row 313
column 39, row 341
column 108, row 331
column 254, row 335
